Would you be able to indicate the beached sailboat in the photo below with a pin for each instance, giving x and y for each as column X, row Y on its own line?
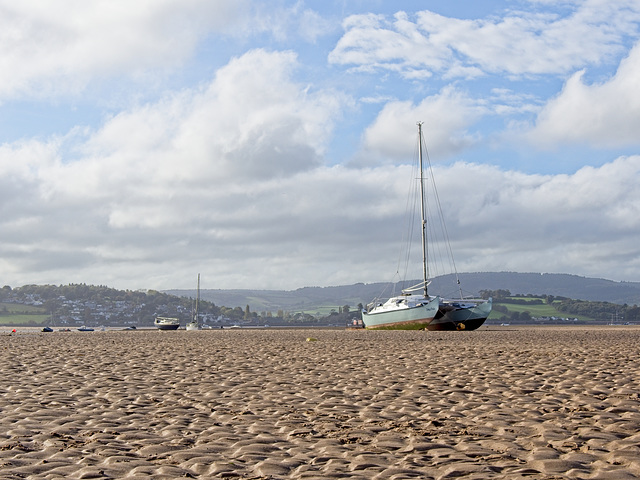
column 194, row 324
column 166, row 323
column 412, row 310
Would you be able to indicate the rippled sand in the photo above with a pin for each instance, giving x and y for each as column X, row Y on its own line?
column 535, row 403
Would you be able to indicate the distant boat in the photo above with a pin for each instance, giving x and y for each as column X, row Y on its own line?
column 166, row 323
column 84, row 328
column 194, row 324
column 47, row 327
column 415, row 308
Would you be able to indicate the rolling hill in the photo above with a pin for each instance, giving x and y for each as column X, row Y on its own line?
column 314, row 298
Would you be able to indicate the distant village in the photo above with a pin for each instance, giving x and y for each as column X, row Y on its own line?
column 75, row 305
column 90, row 312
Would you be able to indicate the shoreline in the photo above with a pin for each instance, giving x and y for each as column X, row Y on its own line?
column 484, row 327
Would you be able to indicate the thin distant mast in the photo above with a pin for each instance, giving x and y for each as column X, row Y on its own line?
column 197, row 300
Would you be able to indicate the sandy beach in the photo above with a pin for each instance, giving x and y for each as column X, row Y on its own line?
column 500, row 402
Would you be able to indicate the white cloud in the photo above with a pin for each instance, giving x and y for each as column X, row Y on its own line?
column 121, row 217
column 605, row 114
column 283, row 21
column 206, row 167
column 57, row 48
column 399, row 46
column 584, row 223
column 518, row 43
column 446, row 118
column 53, row 49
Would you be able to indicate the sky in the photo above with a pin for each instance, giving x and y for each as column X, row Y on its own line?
column 268, row 144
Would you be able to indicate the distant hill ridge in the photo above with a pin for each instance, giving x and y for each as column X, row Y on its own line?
column 557, row 284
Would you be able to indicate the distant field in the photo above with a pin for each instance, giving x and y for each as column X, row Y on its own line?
column 14, row 314
column 18, row 308
column 543, row 310
column 324, row 310
column 23, row 319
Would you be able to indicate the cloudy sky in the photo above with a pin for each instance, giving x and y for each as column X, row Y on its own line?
column 268, row 144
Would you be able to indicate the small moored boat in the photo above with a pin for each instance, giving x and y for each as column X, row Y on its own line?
column 166, row 323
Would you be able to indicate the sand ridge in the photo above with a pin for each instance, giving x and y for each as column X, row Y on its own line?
column 534, row 403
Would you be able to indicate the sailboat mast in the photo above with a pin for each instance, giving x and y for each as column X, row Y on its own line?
column 197, row 299
column 422, row 212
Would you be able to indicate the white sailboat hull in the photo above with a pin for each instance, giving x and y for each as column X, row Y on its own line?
column 406, row 312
